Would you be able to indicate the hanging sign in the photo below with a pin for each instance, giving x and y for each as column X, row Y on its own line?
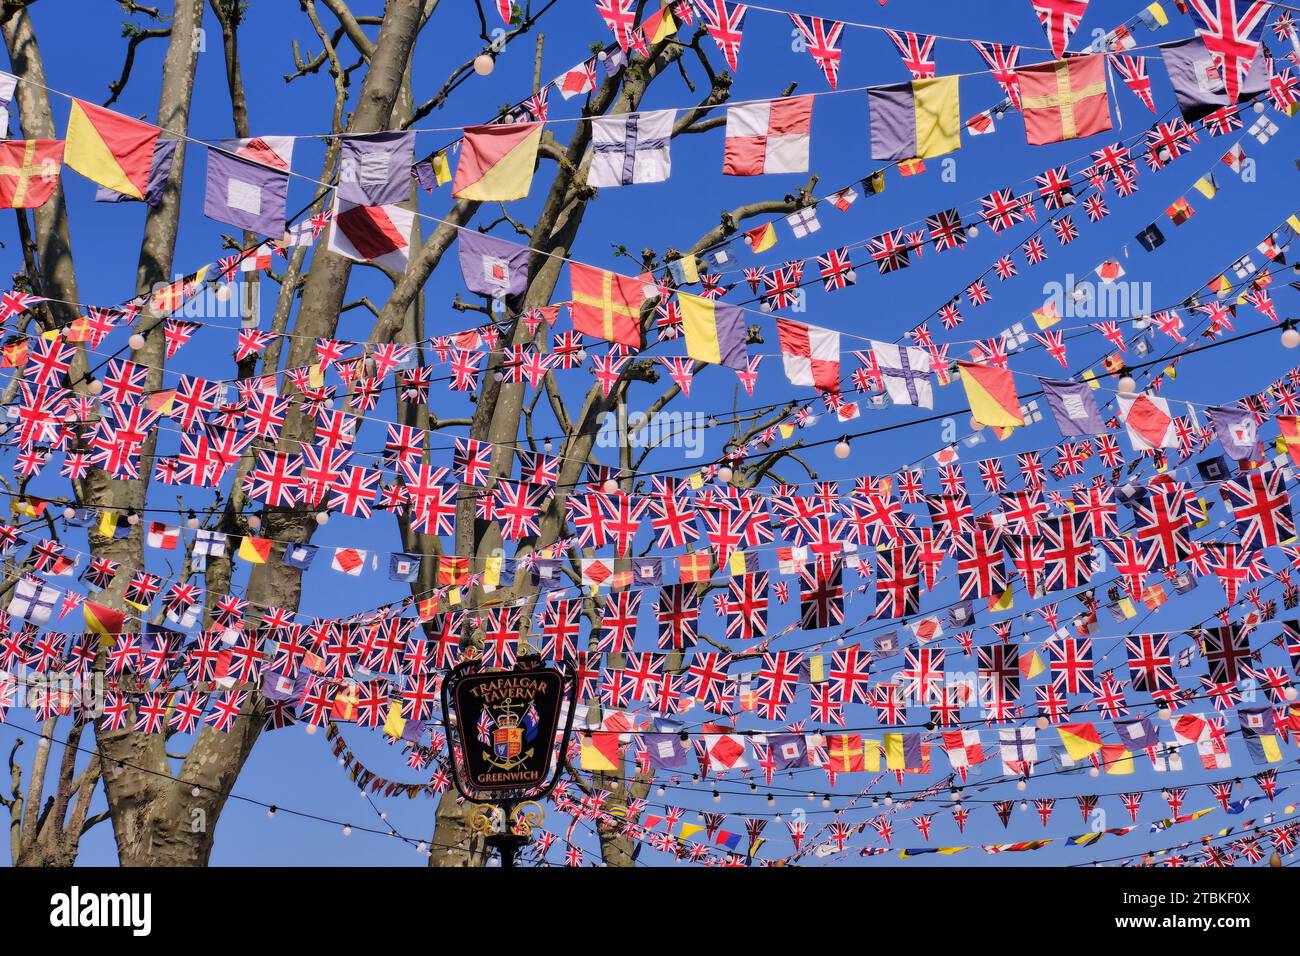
column 505, row 723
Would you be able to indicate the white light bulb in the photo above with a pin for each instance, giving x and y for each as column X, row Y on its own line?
column 483, row 64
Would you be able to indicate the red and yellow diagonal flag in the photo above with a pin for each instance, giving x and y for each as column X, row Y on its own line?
column 104, row 621
column 109, row 148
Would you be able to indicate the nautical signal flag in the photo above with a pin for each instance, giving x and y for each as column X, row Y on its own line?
column 1180, row 211
column 606, row 305
column 715, row 331
column 109, row 148
column 1116, row 759
column 1081, row 741
column 1065, row 99
column 13, row 354
column 29, row 172
column 394, row 723
column 379, row 234
column 163, row 536
column 349, row 560
column 255, row 550
column 771, row 136
column 248, row 183
column 991, row 392
column 104, row 621
column 761, row 238
column 659, row 25
column 114, row 525
column 496, row 162
column 1150, row 424
column 600, row 752
column 1289, row 426
column 695, row 567
column 403, row 567
column 29, row 507
column 1048, row 315
column 915, row 120
column 1031, row 665
column 810, row 355
column 453, row 571
column 1151, row 237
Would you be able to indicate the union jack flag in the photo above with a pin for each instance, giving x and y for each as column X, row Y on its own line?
column 821, row 39
column 1002, row 63
column 889, row 252
column 946, row 230
column 1134, row 71
column 724, row 22
column 1060, row 18
column 1231, row 30
column 917, row 51
column 836, row 269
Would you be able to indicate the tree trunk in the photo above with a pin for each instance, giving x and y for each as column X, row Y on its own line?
column 167, row 823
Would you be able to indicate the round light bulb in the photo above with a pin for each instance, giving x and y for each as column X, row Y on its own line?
column 483, row 64
column 611, row 486
column 136, row 342
column 254, row 522
column 133, row 518
column 69, row 512
column 347, row 829
column 311, row 730
column 725, row 474
column 842, row 449
column 94, row 386
column 1127, row 386
column 1290, row 338
column 322, row 517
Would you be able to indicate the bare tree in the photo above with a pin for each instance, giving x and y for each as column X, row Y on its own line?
column 368, row 62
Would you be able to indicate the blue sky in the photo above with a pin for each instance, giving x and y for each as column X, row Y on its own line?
column 294, row 770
